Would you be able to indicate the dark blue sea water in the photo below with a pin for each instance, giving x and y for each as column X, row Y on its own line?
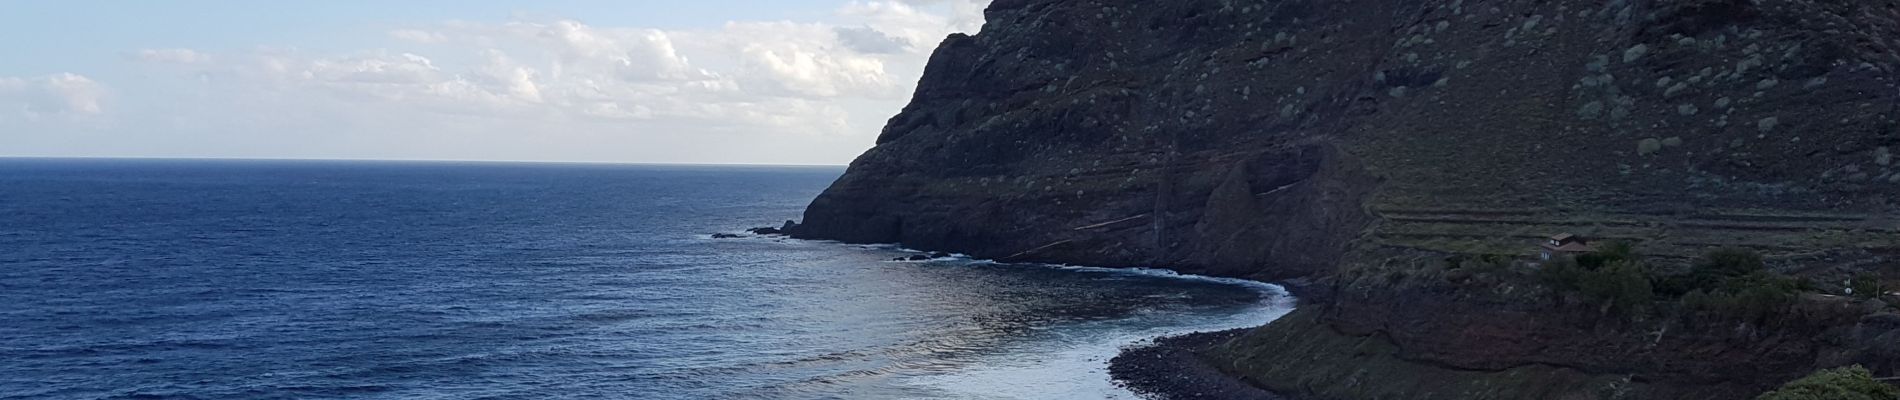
column 279, row 279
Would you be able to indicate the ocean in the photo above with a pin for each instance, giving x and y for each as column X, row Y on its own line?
column 174, row 279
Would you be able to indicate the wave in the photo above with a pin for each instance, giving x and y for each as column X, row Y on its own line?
column 1079, row 369
column 1278, row 295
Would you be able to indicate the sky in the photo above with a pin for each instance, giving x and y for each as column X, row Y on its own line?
column 699, row 82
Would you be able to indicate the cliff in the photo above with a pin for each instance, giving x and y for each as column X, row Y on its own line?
column 1333, row 141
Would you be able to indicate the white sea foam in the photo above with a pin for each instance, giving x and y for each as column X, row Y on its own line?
column 1078, row 369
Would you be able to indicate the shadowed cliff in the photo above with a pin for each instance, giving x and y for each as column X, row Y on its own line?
column 1299, row 139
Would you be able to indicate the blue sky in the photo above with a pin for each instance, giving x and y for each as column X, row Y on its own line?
column 715, row 81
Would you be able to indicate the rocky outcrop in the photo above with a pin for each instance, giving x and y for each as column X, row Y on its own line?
column 1285, row 139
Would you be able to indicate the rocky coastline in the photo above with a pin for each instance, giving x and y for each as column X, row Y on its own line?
column 1171, row 368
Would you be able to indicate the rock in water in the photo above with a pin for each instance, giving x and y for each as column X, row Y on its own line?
column 782, row 229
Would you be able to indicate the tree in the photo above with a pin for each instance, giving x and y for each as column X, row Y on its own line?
column 1623, row 286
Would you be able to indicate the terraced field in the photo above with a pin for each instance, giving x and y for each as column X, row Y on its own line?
column 1516, row 232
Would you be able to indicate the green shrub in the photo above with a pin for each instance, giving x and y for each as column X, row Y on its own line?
column 1623, row 286
column 1454, row 261
column 1684, row 285
column 1867, row 286
column 1700, row 301
column 1756, row 304
column 1751, row 298
column 1849, row 383
column 1560, row 274
column 1712, row 272
column 1766, row 280
column 1729, row 262
column 1608, row 253
column 1730, row 284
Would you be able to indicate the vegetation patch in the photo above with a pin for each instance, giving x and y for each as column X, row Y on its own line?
column 1725, row 284
column 1849, row 383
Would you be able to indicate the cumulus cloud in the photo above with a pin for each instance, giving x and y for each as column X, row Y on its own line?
column 52, row 96
column 633, row 54
column 778, row 76
column 839, row 77
column 801, row 60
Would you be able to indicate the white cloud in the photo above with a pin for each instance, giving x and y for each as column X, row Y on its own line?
column 418, row 36
column 172, row 56
column 372, row 69
column 63, row 95
column 512, row 86
column 508, row 77
column 803, row 60
column 634, row 54
column 871, row 41
column 770, row 76
column 913, row 21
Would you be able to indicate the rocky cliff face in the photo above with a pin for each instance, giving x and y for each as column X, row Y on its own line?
column 1283, row 139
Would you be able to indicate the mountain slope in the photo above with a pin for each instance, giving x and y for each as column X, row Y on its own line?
column 1334, row 140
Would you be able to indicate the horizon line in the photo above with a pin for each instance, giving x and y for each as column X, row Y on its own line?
column 415, row 160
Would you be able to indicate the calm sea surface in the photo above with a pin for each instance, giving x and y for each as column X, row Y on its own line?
column 277, row 279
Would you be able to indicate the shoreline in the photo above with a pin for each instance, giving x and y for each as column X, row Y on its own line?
column 1168, row 368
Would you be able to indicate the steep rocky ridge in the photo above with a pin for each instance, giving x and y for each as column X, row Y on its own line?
column 1299, row 139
